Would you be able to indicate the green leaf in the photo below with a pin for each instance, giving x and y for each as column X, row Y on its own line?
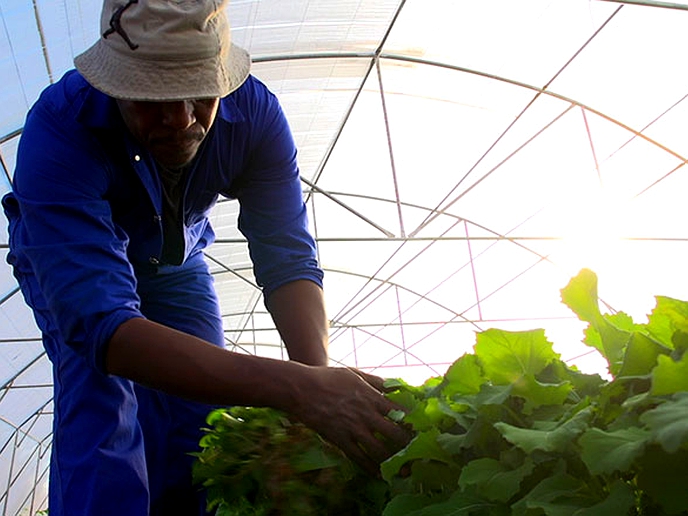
column 668, row 316
column 680, row 341
column 459, row 412
column 406, row 504
column 507, row 356
column 557, row 440
column 427, row 414
column 624, row 321
column 422, row 446
column 396, row 415
column 464, row 376
column 315, row 457
column 621, row 500
column 669, row 422
column 460, row 504
column 469, row 406
column 561, row 488
column 488, row 395
column 218, row 416
column 492, row 480
column 669, row 376
column 434, row 476
column 451, row 443
column 607, row 452
column 580, row 295
column 482, row 437
column 537, row 393
column 405, row 398
column 639, row 403
column 583, row 384
column 664, row 478
column 395, row 383
column 641, row 355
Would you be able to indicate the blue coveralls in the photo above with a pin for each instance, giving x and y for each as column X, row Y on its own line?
column 85, row 246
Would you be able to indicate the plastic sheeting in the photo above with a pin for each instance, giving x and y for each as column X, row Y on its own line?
column 461, row 161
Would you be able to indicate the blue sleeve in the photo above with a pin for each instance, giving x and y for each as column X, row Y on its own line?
column 273, row 214
column 69, row 257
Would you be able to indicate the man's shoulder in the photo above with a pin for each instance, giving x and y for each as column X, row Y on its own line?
column 251, row 86
column 66, row 94
column 252, row 91
column 252, row 102
column 73, row 104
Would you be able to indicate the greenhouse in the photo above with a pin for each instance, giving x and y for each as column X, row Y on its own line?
column 461, row 161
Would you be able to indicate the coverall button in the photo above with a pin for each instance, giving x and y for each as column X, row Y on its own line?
column 137, row 157
column 157, row 218
column 153, row 260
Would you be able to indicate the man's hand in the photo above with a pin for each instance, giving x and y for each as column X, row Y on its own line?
column 348, row 408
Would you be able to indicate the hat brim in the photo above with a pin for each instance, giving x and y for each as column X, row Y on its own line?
column 128, row 78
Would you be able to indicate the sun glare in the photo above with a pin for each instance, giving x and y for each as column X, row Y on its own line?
column 592, row 230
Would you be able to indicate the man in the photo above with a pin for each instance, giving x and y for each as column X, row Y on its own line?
column 118, row 166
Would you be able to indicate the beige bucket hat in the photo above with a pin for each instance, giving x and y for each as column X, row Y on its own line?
column 164, row 50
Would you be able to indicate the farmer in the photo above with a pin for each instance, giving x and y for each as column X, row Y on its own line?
column 118, row 167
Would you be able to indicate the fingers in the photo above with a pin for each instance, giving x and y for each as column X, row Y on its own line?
column 352, row 413
column 371, row 446
column 357, row 454
column 374, row 381
column 377, row 440
column 377, row 382
column 383, row 437
column 397, row 436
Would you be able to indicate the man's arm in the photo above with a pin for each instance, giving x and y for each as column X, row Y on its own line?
column 298, row 309
column 336, row 402
column 178, row 363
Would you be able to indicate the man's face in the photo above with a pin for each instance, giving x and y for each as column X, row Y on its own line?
column 171, row 131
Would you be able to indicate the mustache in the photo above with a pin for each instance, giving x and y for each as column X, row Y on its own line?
column 177, row 138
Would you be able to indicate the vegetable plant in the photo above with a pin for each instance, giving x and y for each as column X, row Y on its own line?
column 509, row 429
column 257, row 462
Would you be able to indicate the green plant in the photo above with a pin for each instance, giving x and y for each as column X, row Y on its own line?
column 512, row 430
column 257, row 462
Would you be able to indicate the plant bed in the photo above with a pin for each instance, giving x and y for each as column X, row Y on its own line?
column 510, row 429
